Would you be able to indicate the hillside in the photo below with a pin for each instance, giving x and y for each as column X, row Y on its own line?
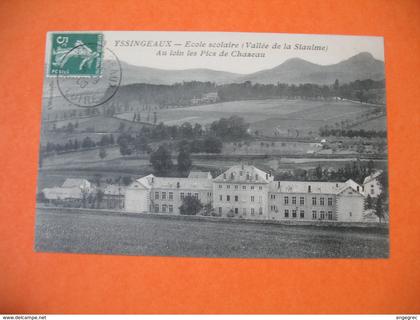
column 359, row 67
column 293, row 71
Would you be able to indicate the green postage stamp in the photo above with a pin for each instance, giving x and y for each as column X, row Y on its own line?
column 76, row 54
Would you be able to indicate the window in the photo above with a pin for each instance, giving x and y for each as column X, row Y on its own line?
column 350, row 214
column 220, row 210
column 252, row 198
column 228, row 198
column 244, row 211
column 228, row 186
column 309, row 189
column 163, row 195
column 322, row 215
column 241, row 173
column 314, row 215
column 294, row 213
column 189, row 194
column 286, row 200
column 260, row 188
column 164, row 208
column 256, row 177
column 221, row 198
column 236, row 198
column 236, row 187
column 260, row 210
column 171, row 208
column 156, row 195
column 236, row 210
column 330, row 217
column 252, row 187
column 372, row 191
column 182, row 196
column 314, row 201
column 243, row 187
column 302, row 200
column 273, row 196
column 293, row 200
column 302, row 214
column 252, row 211
column 220, row 186
column 321, row 201
column 156, row 208
column 286, row 213
column 171, row 196
column 330, row 201
column 196, row 195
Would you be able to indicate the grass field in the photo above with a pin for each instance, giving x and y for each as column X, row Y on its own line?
column 377, row 124
column 152, row 236
column 265, row 115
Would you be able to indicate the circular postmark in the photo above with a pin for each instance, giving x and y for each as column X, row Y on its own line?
column 88, row 91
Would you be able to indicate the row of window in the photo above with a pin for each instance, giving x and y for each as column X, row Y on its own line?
column 322, row 214
column 165, row 208
column 241, row 173
column 162, row 195
column 302, row 200
column 244, row 211
column 236, row 187
column 236, row 198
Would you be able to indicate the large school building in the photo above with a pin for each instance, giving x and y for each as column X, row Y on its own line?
column 246, row 192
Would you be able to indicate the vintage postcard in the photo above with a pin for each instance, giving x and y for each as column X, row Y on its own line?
column 213, row 144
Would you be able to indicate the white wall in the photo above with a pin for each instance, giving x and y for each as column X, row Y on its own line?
column 350, row 207
column 137, row 200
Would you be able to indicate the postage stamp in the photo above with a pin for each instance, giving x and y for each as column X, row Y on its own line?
column 76, row 54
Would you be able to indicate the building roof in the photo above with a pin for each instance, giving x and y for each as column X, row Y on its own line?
column 244, row 173
column 199, row 175
column 150, row 181
column 184, row 183
column 315, row 187
column 71, row 182
column 373, row 176
column 143, row 182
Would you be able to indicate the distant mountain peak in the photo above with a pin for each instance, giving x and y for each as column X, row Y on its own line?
column 361, row 57
column 292, row 71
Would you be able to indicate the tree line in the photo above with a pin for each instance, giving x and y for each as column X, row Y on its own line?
column 76, row 144
column 182, row 94
column 355, row 170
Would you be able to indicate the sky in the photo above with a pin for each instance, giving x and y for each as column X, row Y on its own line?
column 339, row 48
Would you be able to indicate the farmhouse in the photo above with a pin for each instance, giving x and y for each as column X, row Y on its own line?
column 246, row 192
column 72, row 189
column 371, row 185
